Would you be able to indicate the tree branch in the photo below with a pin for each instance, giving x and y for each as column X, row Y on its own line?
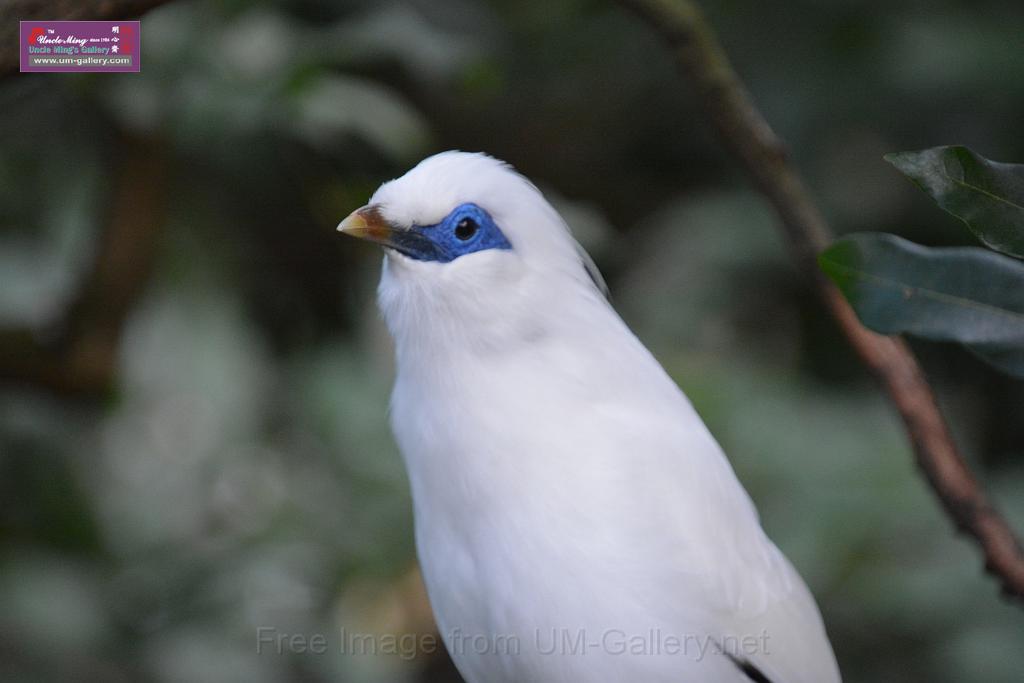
column 77, row 354
column 13, row 11
column 750, row 138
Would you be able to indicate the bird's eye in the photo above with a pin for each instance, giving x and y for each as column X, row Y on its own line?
column 466, row 228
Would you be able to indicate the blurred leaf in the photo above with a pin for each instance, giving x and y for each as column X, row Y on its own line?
column 967, row 295
column 986, row 195
column 334, row 106
column 412, row 37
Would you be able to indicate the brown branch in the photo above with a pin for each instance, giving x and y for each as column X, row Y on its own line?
column 13, row 11
column 746, row 134
column 77, row 354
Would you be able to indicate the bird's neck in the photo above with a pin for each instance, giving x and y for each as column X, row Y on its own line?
column 438, row 329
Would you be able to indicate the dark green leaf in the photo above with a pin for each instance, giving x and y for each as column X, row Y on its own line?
column 986, row 195
column 968, row 295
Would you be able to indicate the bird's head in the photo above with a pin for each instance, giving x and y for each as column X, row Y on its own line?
column 468, row 241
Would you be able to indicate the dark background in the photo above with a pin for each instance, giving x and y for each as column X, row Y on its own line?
column 193, row 438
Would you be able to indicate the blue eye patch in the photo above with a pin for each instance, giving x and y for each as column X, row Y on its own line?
column 466, row 230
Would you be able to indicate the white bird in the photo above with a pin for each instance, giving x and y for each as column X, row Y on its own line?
column 575, row 519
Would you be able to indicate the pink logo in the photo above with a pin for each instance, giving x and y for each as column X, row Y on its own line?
column 103, row 46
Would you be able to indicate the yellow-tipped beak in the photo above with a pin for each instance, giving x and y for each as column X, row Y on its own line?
column 367, row 223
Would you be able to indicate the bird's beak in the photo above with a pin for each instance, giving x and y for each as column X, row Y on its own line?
column 367, row 223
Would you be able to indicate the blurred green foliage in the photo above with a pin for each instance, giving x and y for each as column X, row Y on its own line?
column 241, row 473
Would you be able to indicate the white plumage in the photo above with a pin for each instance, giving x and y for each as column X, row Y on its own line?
column 575, row 520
